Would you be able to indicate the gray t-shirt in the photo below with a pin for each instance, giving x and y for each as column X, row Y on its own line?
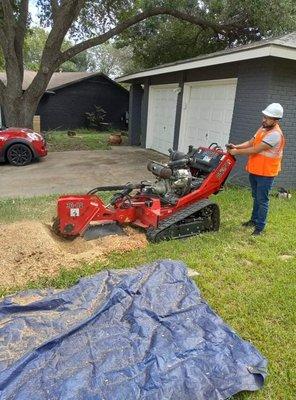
column 273, row 138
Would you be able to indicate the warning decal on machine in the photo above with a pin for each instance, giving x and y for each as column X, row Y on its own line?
column 74, row 212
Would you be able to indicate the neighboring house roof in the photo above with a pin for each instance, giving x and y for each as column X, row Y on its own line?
column 283, row 47
column 60, row 79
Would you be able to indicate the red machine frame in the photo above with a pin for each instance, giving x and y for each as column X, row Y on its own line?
column 76, row 213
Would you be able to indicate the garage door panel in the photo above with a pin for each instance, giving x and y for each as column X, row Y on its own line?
column 161, row 117
column 227, row 116
column 230, row 93
column 218, row 115
column 217, row 94
column 197, row 135
column 207, row 113
column 203, row 113
column 217, row 137
column 197, row 96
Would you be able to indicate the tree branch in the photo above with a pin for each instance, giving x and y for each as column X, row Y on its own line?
column 3, row 42
column 20, row 33
column 23, row 16
column 54, row 9
column 13, row 73
column 67, row 14
column 8, row 17
column 196, row 20
column 2, row 91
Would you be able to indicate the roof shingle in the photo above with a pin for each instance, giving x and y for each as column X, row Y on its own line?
column 58, row 79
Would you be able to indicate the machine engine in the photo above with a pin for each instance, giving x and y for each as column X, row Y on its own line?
column 183, row 173
column 174, row 178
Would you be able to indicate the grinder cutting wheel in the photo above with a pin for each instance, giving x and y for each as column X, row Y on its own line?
column 175, row 206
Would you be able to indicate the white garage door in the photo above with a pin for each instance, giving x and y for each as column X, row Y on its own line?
column 207, row 113
column 161, row 117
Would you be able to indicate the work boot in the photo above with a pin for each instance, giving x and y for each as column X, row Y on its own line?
column 257, row 232
column 248, row 224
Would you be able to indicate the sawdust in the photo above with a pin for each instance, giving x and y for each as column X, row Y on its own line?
column 29, row 250
column 192, row 273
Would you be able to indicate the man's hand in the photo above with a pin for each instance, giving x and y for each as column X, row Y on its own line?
column 230, row 146
column 232, row 151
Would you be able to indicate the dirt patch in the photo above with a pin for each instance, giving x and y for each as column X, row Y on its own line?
column 29, row 251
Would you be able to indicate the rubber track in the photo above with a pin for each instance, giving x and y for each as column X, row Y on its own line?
column 152, row 233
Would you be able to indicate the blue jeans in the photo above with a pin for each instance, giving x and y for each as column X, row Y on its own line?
column 261, row 186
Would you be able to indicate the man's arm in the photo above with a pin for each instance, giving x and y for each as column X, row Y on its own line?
column 249, row 150
column 244, row 145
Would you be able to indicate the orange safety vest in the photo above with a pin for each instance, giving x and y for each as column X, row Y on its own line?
column 267, row 162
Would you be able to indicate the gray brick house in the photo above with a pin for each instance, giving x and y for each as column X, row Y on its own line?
column 217, row 97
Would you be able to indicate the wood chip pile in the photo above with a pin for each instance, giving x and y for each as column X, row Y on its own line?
column 29, row 250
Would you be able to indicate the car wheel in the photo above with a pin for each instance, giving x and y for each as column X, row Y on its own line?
column 19, row 154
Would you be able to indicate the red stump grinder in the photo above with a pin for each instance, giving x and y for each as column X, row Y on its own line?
column 175, row 206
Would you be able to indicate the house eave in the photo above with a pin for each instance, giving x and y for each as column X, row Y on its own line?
column 238, row 55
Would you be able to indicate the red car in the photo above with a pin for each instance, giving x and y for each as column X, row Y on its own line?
column 19, row 146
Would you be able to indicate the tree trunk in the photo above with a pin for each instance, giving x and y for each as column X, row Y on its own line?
column 19, row 112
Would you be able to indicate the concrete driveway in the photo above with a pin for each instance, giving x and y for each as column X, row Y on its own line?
column 77, row 171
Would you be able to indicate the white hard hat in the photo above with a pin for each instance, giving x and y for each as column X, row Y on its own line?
column 274, row 110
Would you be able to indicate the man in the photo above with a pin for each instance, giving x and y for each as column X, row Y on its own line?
column 265, row 151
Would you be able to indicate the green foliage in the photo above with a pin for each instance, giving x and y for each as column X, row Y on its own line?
column 160, row 39
column 77, row 63
column 172, row 41
column 110, row 60
column 106, row 58
column 98, row 16
column 163, row 39
column 33, row 48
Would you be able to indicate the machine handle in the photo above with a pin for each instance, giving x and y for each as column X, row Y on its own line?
column 230, row 146
column 129, row 186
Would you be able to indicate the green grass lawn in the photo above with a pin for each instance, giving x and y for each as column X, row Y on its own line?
column 250, row 282
column 84, row 140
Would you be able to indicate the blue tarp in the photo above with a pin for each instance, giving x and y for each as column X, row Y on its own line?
column 143, row 333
